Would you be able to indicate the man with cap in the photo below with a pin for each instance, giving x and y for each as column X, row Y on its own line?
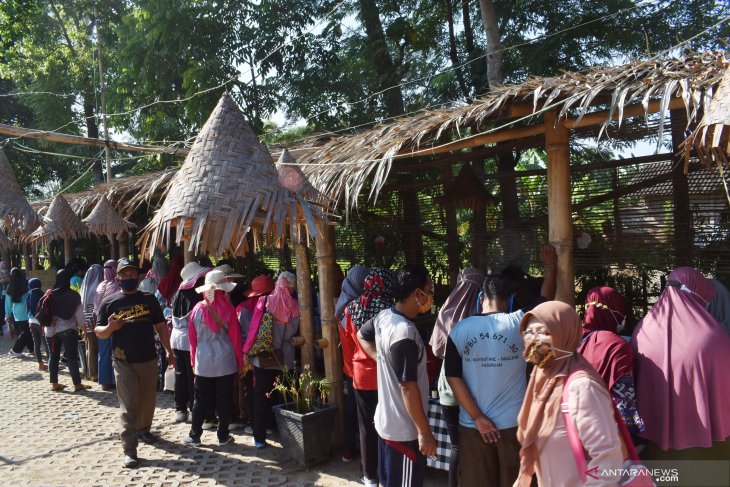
column 131, row 317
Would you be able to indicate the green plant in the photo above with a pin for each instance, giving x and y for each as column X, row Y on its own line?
column 303, row 387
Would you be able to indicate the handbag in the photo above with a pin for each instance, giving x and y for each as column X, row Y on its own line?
column 638, row 474
column 264, row 336
column 170, row 379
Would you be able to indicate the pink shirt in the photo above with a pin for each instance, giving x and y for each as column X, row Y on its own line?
column 592, row 412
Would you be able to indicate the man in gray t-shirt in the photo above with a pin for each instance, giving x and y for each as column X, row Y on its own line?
column 391, row 338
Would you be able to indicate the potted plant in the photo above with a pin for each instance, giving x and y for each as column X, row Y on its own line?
column 305, row 422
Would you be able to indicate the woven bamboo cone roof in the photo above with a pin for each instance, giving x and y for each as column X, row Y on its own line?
column 15, row 211
column 104, row 219
column 60, row 221
column 226, row 187
column 711, row 138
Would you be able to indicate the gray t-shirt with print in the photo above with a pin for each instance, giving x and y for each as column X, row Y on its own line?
column 401, row 358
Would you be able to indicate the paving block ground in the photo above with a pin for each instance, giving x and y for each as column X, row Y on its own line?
column 56, row 439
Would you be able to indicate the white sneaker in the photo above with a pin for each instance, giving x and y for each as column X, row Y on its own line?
column 369, row 483
column 248, row 430
column 181, row 416
column 16, row 354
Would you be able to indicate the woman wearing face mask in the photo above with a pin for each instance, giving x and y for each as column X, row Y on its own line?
column 552, row 332
column 681, row 380
column 610, row 354
column 108, row 287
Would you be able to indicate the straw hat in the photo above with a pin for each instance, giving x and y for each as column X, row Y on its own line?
column 216, row 281
column 14, row 208
column 228, row 271
column 60, row 221
column 104, row 219
column 227, row 187
column 191, row 273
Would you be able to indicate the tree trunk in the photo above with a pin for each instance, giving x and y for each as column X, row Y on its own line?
column 453, row 53
column 477, row 67
column 388, row 77
column 495, row 74
column 92, row 131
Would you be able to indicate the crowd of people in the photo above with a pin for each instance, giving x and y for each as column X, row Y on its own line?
column 529, row 389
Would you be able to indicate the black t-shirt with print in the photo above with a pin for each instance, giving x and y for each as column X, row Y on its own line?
column 135, row 341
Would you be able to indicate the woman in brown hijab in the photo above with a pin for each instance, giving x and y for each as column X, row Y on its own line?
column 552, row 332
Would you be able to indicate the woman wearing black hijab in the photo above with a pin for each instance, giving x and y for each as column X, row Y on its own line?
column 68, row 317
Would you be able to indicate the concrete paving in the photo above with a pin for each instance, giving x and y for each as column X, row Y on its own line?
column 71, row 439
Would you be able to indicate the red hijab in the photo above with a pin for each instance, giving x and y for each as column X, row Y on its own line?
column 607, row 352
column 169, row 284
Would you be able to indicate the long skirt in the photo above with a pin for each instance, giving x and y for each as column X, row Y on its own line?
column 106, row 372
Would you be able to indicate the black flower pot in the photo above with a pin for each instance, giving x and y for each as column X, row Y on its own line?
column 307, row 437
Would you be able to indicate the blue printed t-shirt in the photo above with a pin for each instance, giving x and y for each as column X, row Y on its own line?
column 486, row 352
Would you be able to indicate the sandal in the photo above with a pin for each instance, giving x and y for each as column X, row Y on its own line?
column 81, row 387
column 42, row 366
column 57, row 387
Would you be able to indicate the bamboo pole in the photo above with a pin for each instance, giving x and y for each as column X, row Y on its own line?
column 113, row 248
column 560, row 222
column 26, row 258
column 325, row 245
column 306, row 311
column 68, row 249
column 123, row 239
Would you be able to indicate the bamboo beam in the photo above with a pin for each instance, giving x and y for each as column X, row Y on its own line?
column 635, row 110
column 113, row 247
column 306, row 311
column 560, row 221
column 325, row 244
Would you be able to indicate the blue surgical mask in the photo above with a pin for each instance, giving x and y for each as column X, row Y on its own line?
column 128, row 284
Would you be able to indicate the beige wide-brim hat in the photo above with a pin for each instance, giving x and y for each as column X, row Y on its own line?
column 216, row 281
column 228, row 271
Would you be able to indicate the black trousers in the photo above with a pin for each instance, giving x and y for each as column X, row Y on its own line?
column 263, row 400
column 367, row 401
column 351, row 428
column 25, row 338
column 183, row 381
column 451, row 416
column 208, row 389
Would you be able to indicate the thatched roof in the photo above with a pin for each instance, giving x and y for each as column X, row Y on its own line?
column 227, row 187
column 60, row 221
column 343, row 167
column 5, row 242
column 711, row 138
column 104, row 220
column 15, row 212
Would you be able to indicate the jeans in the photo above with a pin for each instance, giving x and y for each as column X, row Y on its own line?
column 25, row 339
column 367, row 401
column 451, row 417
column 69, row 340
column 35, row 331
column 208, row 389
column 263, row 416
column 184, row 391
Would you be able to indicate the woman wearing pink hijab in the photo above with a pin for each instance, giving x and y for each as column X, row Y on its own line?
column 682, row 382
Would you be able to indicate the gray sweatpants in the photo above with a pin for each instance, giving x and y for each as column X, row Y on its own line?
column 137, row 392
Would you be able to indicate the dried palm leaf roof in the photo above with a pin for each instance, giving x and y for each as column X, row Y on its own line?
column 104, row 220
column 711, row 138
column 60, row 221
column 15, row 211
column 343, row 167
column 226, row 187
column 125, row 194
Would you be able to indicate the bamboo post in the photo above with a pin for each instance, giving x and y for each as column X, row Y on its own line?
column 34, row 257
column 325, row 244
column 306, row 311
column 123, row 244
column 452, row 230
column 560, row 222
column 68, row 249
column 112, row 247
column 26, row 258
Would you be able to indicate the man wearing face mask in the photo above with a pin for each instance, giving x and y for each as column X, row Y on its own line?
column 393, row 341
column 131, row 317
column 486, row 371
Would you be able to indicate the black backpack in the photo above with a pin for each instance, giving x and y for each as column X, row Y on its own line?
column 44, row 310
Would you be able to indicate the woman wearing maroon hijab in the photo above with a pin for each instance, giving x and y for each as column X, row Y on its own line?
column 610, row 354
